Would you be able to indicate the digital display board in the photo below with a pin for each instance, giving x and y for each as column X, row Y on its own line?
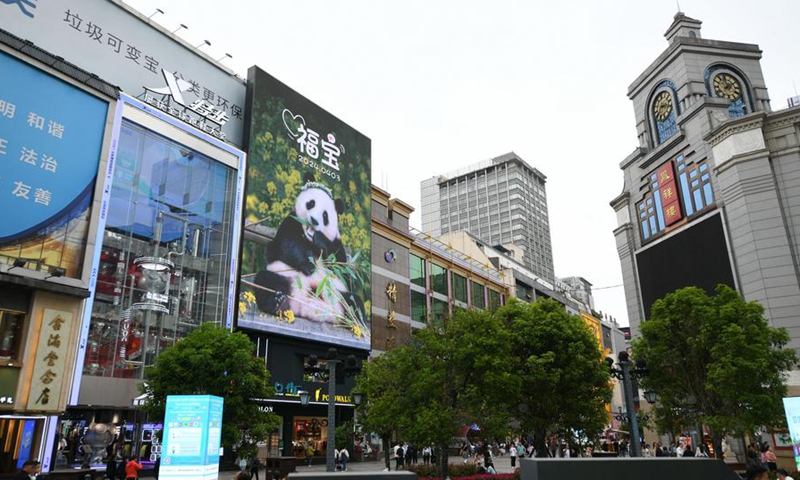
column 696, row 256
column 192, row 435
column 791, row 406
column 51, row 136
column 306, row 268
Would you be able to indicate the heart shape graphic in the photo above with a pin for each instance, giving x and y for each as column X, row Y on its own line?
column 291, row 120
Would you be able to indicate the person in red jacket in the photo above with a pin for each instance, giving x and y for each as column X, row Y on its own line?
column 132, row 468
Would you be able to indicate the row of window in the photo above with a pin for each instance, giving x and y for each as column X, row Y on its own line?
column 438, row 284
column 671, row 196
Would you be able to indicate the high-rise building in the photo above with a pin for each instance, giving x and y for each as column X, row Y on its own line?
column 712, row 192
column 502, row 201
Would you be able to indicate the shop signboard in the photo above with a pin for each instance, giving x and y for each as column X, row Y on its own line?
column 791, row 406
column 50, row 364
column 306, row 268
column 119, row 45
column 51, row 134
column 192, row 436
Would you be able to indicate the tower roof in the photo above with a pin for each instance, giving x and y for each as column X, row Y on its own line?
column 683, row 26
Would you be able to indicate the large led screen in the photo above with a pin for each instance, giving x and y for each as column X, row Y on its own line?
column 51, row 135
column 306, row 255
column 791, row 406
column 697, row 256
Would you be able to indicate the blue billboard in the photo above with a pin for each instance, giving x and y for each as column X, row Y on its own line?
column 51, row 136
column 192, row 435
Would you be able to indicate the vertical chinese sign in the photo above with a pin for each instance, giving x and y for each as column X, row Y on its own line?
column 391, row 322
column 51, row 136
column 669, row 194
column 50, row 361
column 306, row 268
column 192, row 436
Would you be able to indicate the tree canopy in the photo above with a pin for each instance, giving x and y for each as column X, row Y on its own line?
column 215, row 361
column 562, row 381
column 480, row 367
column 714, row 361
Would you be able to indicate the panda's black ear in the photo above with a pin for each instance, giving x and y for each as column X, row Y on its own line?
column 339, row 206
column 308, row 177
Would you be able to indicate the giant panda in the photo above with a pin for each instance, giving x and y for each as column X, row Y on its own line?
column 308, row 234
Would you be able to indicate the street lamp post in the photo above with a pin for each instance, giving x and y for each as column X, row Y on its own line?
column 329, row 370
column 626, row 372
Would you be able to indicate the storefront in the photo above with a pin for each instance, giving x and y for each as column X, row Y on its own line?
column 304, row 428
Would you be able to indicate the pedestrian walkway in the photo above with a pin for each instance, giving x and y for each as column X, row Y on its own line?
column 501, row 463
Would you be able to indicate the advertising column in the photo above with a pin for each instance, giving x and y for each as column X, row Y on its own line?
column 192, row 435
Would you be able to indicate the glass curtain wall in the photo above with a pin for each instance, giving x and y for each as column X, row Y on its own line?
column 166, row 253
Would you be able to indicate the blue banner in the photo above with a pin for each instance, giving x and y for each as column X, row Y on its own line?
column 51, row 135
column 26, row 445
column 192, row 434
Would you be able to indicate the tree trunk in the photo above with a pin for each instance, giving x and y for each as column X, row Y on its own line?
column 716, row 440
column 444, row 461
column 386, row 458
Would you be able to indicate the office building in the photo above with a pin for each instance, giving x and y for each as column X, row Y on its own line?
column 502, row 201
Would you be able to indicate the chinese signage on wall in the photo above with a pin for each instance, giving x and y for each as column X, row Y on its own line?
column 103, row 38
column 50, row 361
column 192, row 435
column 308, row 200
column 669, row 193
column 51, row 135
column 391, row 321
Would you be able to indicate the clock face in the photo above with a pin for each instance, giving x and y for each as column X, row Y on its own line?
column 726, row 86
column 662, row 107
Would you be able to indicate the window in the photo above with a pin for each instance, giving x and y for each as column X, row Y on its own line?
column 438, row 279
column 440, row 313
column 665, row 109
column 478, row 296
column 419, row 307
column 459, row 288
column 494, row 300
column 417, row 270
column 695, row 181
column 10, row 333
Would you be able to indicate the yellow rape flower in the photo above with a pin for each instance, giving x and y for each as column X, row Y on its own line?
column 356, row 331
column 249, row 297
column 242, row 308
column 289, row 316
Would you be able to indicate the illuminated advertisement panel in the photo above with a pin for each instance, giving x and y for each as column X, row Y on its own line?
column 792, row 407
column 51, row 134
column 192, row 435
column 306, row 256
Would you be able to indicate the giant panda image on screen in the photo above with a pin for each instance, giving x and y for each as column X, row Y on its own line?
column 306, row 255
column 297, row 278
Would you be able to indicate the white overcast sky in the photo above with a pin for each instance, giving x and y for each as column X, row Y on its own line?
column 438, row 85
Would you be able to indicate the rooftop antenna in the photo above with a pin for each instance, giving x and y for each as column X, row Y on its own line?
column 678, row 3
column 158, row 10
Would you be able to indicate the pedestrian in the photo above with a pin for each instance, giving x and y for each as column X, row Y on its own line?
column 254, row 466
column 772, row 462
column 426, row 455
column 513, row 453
column 111, row 467
column 309, row 454
column 29, row 470
column 399, row 456
column 688, row 452
column 157, row 467
column 757, row 472
column 465, row 452
column 413, row 453
column 344, row 456
column 783, row 474
column 121, row 468
column 242, row 476
column 132, row 468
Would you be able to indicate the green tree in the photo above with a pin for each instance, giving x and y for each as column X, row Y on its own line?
column 445, row 378
column 714, row 361
column 562, row 382
column 215, row 361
